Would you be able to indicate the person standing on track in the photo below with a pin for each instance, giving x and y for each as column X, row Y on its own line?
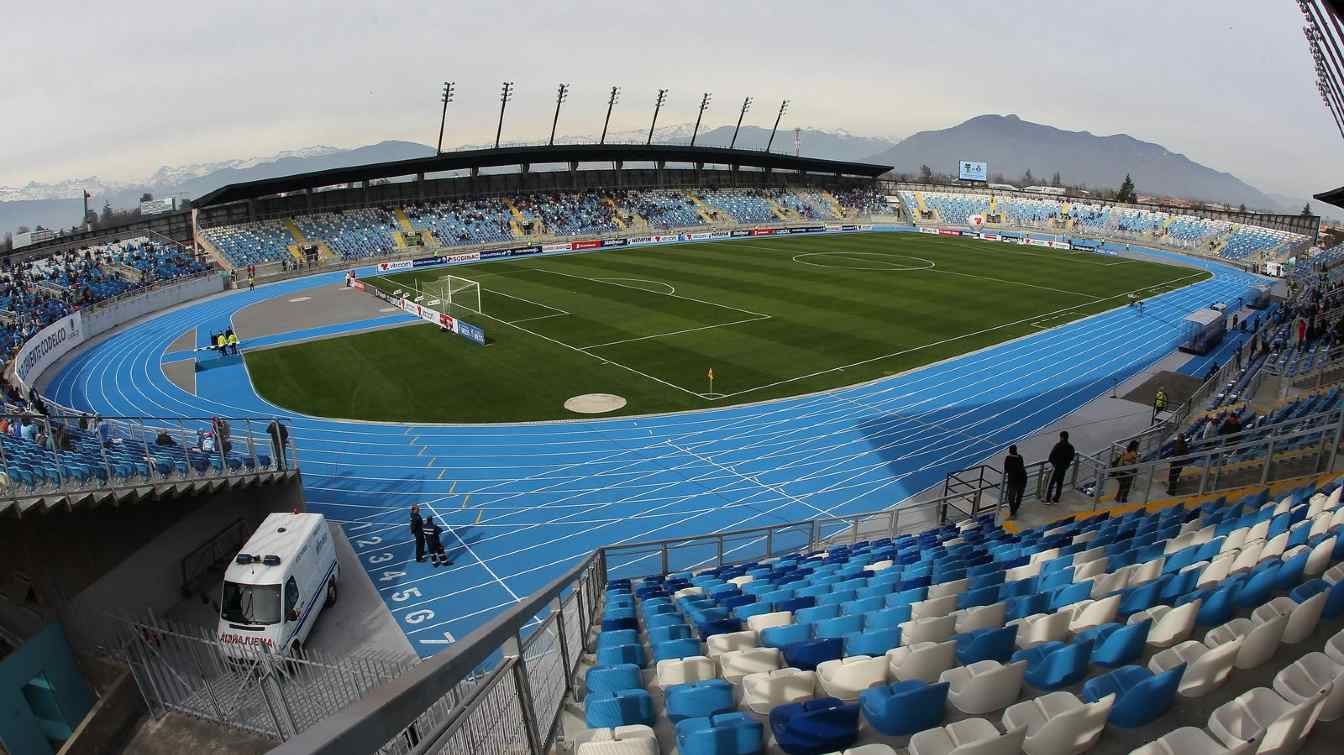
column 1061, row 456
column 418, row 530
column 1015, row 479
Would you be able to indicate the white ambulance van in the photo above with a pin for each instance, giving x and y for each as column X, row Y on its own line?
column 277, row 585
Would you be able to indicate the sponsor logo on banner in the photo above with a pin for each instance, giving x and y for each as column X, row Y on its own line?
column 741, row 233
column 555, row 247
column 683, row 237
column 808, row 229
column 50, row 344
column 470, row 332
column 398, row 265
column 428, row 315
column 761, row 232
column 470, row 257
column 835, row 227
column 357, row 284
column 867, row 227
column 410, row 306
column 496, row 254
column 1011, row 240
column 589, row 244
column 719, row 235
column 948, row 232
column 1059, row 244
column 987, row 236
column 781, row 232
column 641, row 240
column 447, row 322
column 614, row 242
column 523, row 251
column 926, row 229
column 700, row 235
column 969, row 234
column 1038, row 242
column 846, row 227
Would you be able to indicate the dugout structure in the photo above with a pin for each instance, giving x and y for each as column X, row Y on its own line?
column 1202, row 331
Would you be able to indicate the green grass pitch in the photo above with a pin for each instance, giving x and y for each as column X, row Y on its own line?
column 772, row 317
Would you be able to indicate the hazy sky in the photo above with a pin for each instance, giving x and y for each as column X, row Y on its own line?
column 118, row 89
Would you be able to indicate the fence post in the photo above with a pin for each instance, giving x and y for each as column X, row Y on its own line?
column 530, row 724
column 1334, row 446
column 662, row 550
column 564, row 647
column 770, row 543
column 1269, row 461
column 719, row 544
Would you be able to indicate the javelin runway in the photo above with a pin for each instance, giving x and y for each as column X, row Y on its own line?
column 523, row 502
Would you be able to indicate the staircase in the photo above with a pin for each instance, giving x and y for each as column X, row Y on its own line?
column 615, row 212
column 324, row 252
column 1066, row 211
column 840, row 211
column 404, row 222
column 781, row 212
column 518, row 218
column 399, row 238
column 702, row 209
column 294, row 231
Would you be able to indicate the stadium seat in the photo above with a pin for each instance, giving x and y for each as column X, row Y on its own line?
column 972, row 736
column 903, row 708
column 984, row 686
column 813, row 727
column 730, row 733
column 621, row 740
column 763, row 691
column 1058, row 723
column 1141, row 697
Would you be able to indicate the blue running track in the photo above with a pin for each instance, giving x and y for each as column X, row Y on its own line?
column 525, row 501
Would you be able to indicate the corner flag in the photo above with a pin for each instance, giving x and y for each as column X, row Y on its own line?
column 711, row 373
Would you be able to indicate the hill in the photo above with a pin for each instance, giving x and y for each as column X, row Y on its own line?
column 1012, row 146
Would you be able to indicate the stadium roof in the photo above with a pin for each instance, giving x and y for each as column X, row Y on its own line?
column 537, row 155
column 1334, row 197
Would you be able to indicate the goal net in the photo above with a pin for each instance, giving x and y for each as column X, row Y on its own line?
column 454, row 291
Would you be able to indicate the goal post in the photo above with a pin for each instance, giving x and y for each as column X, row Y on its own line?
column 456, row 291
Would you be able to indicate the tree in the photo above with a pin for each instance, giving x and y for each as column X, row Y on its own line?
column 1306, row 210
column 24, row 229
column 146, row 197
column 925, row 172
column 1055, row 180
column 1028, row 179
column 107, row 212
column 1126, row 192
column 6, row 243
column 1241, row 209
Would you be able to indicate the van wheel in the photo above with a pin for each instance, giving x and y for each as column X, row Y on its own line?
column 331, row 593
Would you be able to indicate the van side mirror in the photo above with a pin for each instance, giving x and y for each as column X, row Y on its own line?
column 293, row 614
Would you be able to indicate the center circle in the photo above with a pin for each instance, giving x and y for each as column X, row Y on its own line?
column 862, row 261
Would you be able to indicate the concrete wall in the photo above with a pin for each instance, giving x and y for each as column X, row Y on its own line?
column 59, row 707
column 79, row 566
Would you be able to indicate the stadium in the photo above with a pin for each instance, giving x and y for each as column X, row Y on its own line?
column 615, row 448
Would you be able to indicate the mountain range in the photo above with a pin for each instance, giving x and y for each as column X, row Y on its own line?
column 1009, row 144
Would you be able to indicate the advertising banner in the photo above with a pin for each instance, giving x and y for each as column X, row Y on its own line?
column 50, row 344
column 496, row 254
column 846, row 227
column 987, row 236
column 719, row 234
column 523, row 251
column 865, row 227
column 447, row 322
column 699, row 235
column 741, row 233
column 470, row 332
column 1059, row 244
column 387, row 267
column 562, row 247
column 926, row 229
column 1038, row 242
column 972, row 170
column 357, row 284
column 969, row 234
column 613, row 242
column 948, row 232
column 761, row 232
column 641, row 240
column 588, row 244
column 781, row 232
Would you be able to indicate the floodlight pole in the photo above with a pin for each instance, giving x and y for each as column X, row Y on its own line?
column 611, row 102
column 746, row 105
column 783, row 106
column 447, row 98
column 505, row 94
column 657, row 105
column 560, row 95
column 704, row 103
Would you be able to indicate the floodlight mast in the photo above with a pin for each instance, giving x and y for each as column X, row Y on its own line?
column 783, row 106
column 746, row 105
column 611, row 102
column 657, row 105
column 704, row 105
column 447, row 98
column 561, row 93
column 505, row 94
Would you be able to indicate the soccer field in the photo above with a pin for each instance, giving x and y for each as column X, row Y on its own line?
column 771, row 318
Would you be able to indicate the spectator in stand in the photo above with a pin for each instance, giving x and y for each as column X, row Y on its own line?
column 1125, row 477
column 1061, row 457
column 1231, row 424
column 1178, row 448
column 1015, row 479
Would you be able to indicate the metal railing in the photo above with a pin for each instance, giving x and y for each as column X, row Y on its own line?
column 502, row 688
column 52, row 455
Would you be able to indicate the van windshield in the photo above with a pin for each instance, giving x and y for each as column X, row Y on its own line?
column 250, row 604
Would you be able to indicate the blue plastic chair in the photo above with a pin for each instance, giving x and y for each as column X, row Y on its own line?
column 984, row 596
column 863, row 605
column 676, row 649
column 612, row 655
column 1074, row 593
column 617, row 637
column 795, row 604
column 836, row 598
column 661, row 620
column 1140, row 696
column 907, row 597
column 904, row 708
column 1138, row 598
column 1258, row 589
column 815, row 727
column 816, row 613
column 1218, row 606
column 782, row 636
column 699, row 699
column 669, row 632
column 723, row 734
column 718, row 626
column 838, row 627
column 1054, row 665
column 807, row 655
column 624, row 707
column 1289, row 573
column 887, row 618
column 872, row 642
column 1121, row 646
column 599, row 679
column 1026, row 605
column 986, row 644
column 1334, row 601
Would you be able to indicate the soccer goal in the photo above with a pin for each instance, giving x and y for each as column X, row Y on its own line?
column 455, row 291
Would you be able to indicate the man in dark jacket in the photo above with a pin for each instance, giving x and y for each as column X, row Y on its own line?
column 1015, row 479
column 418, row 530
column 1061, row 456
